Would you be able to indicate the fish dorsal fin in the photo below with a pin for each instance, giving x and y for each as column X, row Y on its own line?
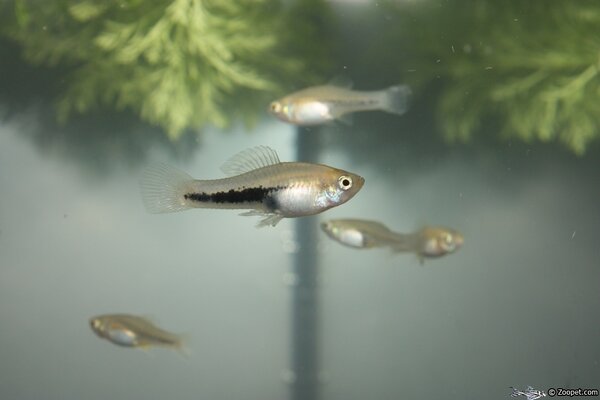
column 249, row 160
column 341, row 81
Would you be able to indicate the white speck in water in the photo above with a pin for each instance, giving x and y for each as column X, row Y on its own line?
column 573, row 235
column 452, row 48
column 44, row 28
column 288, row 376
column 438, row 61
column 289, row 279
column 516, row 19
column 467, row 48
column 488, row 67
column 289, row 243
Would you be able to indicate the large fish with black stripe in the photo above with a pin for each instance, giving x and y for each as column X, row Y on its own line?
column 258, row 182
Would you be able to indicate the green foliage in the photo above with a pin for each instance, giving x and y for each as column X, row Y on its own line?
column 529, row 66
column 177, row 63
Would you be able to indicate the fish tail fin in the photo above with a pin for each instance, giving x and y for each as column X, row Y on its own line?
column 396, row 99
column 402, row 243
column 183, row 345
column 163, row 187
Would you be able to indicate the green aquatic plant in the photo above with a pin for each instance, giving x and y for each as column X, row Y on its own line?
column 531, row 68
column 178, row 64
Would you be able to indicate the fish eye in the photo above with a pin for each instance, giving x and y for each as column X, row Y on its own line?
column 95, row 324
column 345, row 182
column 275, row 107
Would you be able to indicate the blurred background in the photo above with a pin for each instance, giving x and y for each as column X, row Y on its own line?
column 500, row 143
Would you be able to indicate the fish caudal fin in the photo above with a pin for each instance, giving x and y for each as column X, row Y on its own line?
column 396, row 99
column 163, row 187
column 183, row 345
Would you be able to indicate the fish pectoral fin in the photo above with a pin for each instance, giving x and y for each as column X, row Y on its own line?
column 269, row 219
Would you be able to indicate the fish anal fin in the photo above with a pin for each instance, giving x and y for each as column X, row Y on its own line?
column 346, row 119
column 145, row 348
column 249, row 160
column 269, row 219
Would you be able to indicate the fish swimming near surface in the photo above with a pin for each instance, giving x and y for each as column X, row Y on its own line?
column 258, row 182
column 428, row 242
column 319, row 104
column 133, row 331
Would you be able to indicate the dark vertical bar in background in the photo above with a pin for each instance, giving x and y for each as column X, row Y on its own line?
column 305, row 299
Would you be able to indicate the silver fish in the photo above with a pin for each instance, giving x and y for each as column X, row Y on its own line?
column 320, row 104
column 427, row 242
column 258, row 182
column 530, row 393
column 133, row 331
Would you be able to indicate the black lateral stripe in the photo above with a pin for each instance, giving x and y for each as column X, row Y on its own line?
column 247, row 195
column 357, row 102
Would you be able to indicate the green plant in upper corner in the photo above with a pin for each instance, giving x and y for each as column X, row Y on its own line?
column 531, row 68
column 179, row 64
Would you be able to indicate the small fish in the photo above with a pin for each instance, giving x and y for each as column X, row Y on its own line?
column 320, row 104
column 428, row 242
column 132, row 331
column 530, row 393
column 258, row 182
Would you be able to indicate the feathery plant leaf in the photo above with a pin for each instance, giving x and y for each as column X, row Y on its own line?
column 532, row 67
column 176, row 63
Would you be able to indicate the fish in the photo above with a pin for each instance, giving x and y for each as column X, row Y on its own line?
column 258, row 182
column 428, row 242
column 132, row 331
column 530, row 393
column 320, row 104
